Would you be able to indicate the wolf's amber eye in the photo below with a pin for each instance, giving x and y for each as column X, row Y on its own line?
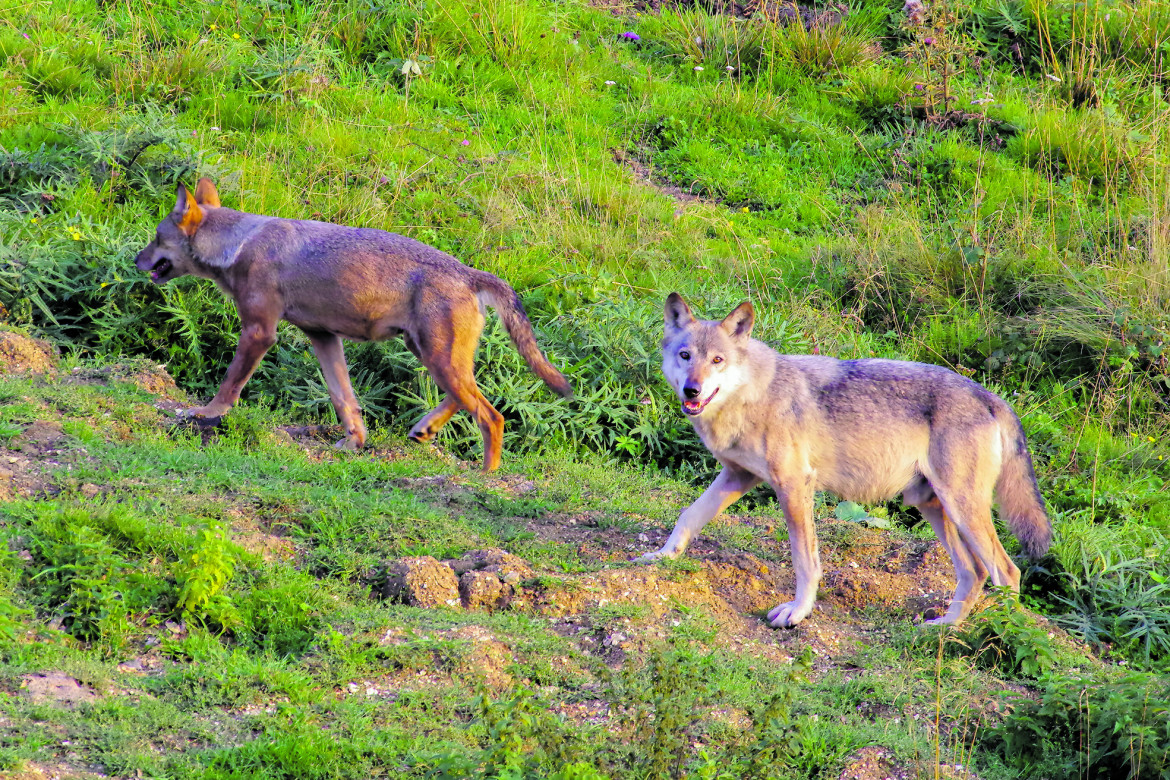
column 685, row 355
column 716, row 359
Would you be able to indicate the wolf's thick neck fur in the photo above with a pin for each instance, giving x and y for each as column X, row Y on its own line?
column 209, row 247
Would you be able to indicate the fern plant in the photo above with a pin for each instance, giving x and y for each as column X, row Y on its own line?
column 202, row 574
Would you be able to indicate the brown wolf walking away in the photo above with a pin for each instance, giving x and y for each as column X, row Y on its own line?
column 865, row 430
column 336, row 282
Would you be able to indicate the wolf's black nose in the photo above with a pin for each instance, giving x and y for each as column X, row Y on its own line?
column 691, row 390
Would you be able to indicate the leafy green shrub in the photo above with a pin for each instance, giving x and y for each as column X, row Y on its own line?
column 1112, row 725
column 1113, row 598
column 518, row 738
column 11, row 614
column 281, row 612
column 85, row 581
column 54, row 77
column 880, row 95
column 1006, row 32
column 1003, row 636
column 507, row 32
column 203, row 572
column 1085, row 144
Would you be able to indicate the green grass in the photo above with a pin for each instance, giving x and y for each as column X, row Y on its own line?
column 986, row 190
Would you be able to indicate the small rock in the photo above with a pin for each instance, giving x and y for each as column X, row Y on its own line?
column 483, row 590
column 421, row 581
column 90, row 490
column 494, row 560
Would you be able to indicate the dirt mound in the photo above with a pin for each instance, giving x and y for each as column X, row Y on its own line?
column 31, row 771
column 22, row 354
column 146, row 376
column 874, row 763
column 30, row 456
column 57, row 689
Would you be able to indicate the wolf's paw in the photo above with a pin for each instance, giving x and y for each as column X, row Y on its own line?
column 788, row 615
column 203, row 416
column 943, row 620
column 657, row 555
column 351, row 443
column 421, row 435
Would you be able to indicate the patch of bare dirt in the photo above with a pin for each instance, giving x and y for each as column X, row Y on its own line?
column 39, row 771
column 43, row 438
column 146, row 376
column 486, row 658
column 57, row 689
column 866, row 571
column 255, row 532
column 645, row 174
column 21, row 354
column 24, row 465
column 874, row 763
column 482, row 656
column 20, row 477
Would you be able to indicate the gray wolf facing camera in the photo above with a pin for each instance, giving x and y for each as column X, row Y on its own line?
column 865, row 430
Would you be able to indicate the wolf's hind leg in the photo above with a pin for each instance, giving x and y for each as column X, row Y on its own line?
column 970, row 573
column 970, row 511
column 727, row 488
column 447, row 349
column 429, row 426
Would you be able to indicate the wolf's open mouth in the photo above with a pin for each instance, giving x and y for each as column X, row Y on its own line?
column 693, row 406
column 160, row 269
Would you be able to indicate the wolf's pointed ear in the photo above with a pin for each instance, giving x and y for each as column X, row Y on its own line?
column 206, row 194
column 678, row 314
column 739, row 323
column 186, row 214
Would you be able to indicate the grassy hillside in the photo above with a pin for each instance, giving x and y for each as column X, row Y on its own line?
column 982, row 185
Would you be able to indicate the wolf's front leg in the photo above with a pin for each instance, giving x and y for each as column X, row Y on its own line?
column 255, row 339
column 806, row 559
column 731, row 483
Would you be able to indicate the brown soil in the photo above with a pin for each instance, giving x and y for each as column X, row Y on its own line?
column 146, row 376
column 644, row 173
column 34, row 771
column 866, row 573
column 26, row 463
column 874, row 763
column 259, row 533
column 57, row 689
column 21, row 354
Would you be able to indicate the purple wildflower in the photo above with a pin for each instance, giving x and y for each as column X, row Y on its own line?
column 928, row 41
column 631, row 36
column 26, row 36
column 919, row 87
column 465, row 142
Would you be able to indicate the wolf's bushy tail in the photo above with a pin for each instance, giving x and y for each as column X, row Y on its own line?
column 1020, row 502
column 495, row 292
